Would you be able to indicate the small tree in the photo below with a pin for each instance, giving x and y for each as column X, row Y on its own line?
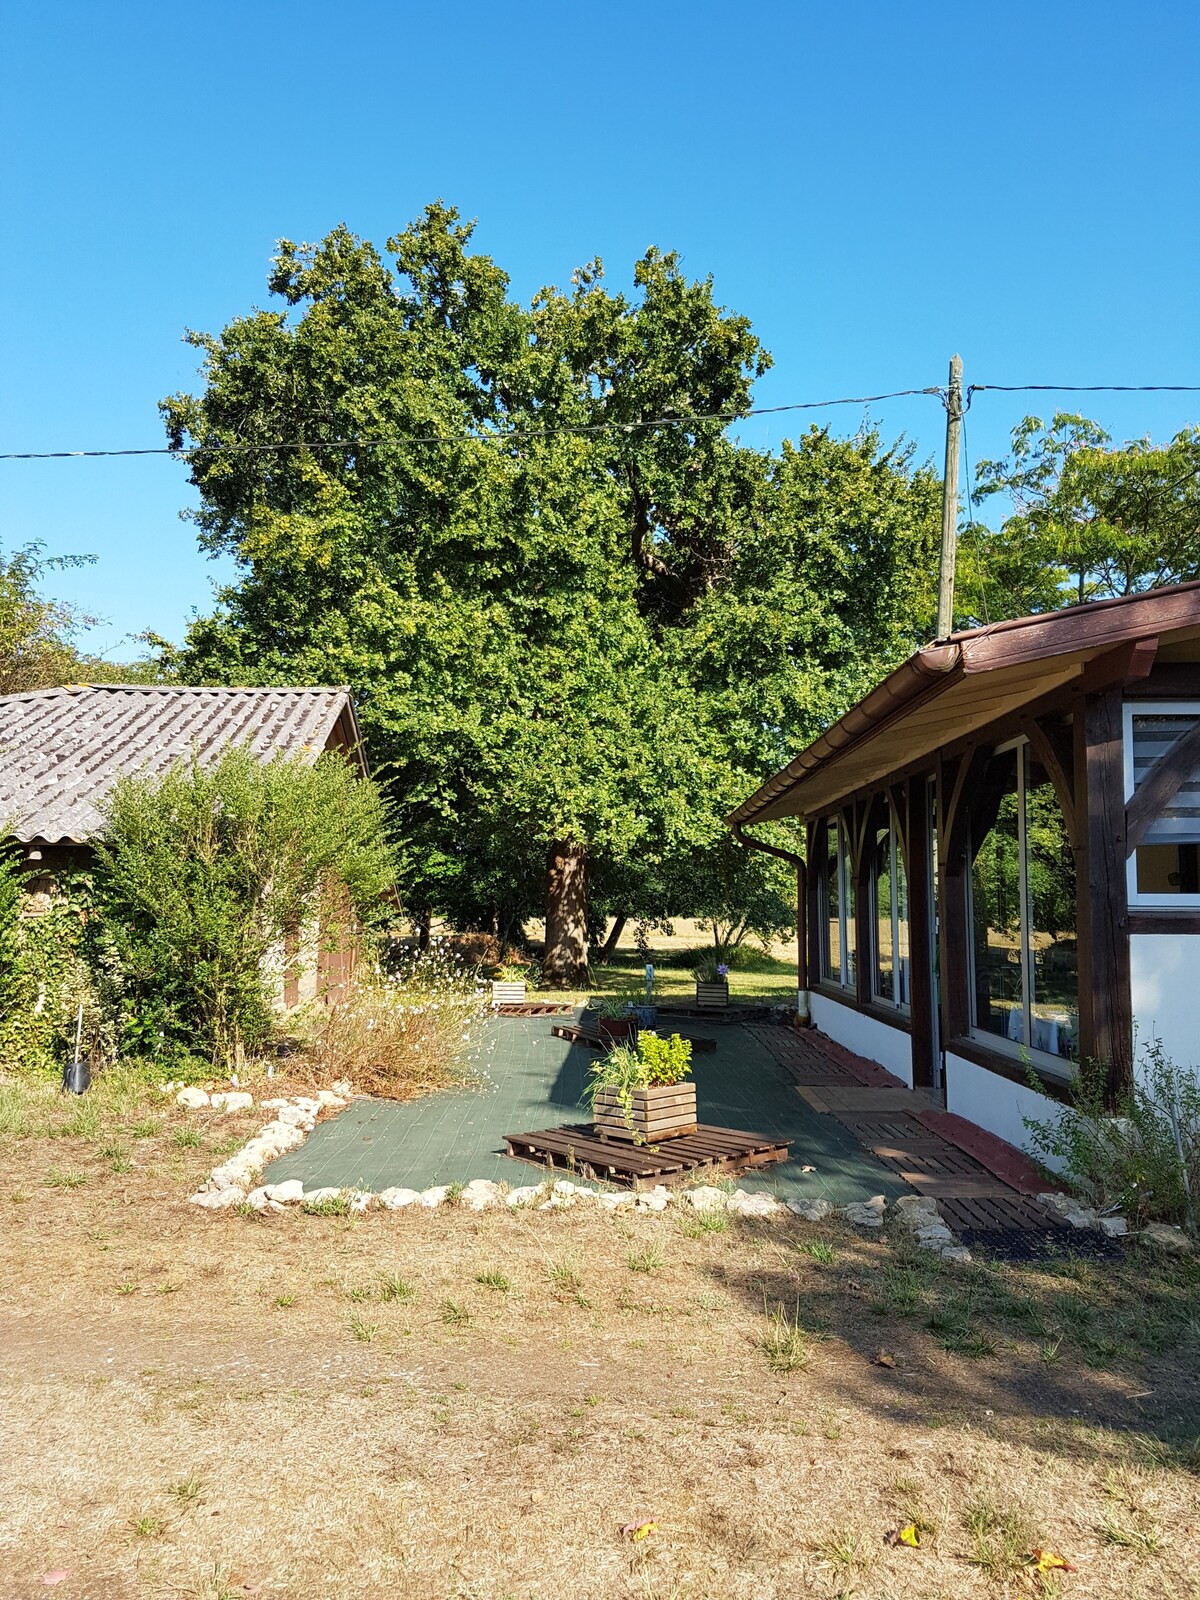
column 203, row 873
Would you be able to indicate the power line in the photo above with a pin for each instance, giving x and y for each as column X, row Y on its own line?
column 1086, row 388
column 498, row 436
column 592, row 430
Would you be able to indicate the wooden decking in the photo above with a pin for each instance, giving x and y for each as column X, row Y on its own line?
column 593, row 1041
column 980, row 1183
column 721, row 1152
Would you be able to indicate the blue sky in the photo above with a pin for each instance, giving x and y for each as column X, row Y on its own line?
column 875, row 186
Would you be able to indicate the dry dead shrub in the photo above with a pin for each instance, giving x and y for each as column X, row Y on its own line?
column 404, row 1033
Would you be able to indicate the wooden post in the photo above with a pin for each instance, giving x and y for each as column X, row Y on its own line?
column 954, row 412
column 1102, row 911
column 920, row 912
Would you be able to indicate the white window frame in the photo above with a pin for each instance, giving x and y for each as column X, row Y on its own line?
column 892, row 1002
column 1061, row 1067
column 1142, row 708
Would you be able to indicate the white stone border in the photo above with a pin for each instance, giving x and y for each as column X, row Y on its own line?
column 233, row 1182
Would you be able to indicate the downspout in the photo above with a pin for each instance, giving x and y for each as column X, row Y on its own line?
column 743, row 838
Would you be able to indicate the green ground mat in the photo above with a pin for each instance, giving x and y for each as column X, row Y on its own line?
column 535, row 1081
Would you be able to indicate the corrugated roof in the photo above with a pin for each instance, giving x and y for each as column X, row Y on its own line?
column 62, row 749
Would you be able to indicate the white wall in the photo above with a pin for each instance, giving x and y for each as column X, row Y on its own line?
column 996, row 1103
column 1165, row 973
column 891, row 1047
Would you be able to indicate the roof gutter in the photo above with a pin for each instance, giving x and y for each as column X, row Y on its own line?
column 925, row 673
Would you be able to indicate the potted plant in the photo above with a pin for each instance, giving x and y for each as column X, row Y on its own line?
column 616, row 1018
column 509, row 985
column 712, row 983
column 638, row 1091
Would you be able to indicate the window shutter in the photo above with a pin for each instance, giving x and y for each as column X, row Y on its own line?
column 1153, row 735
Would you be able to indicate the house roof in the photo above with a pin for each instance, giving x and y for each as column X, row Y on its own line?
column 951, row 689
column 61, row 750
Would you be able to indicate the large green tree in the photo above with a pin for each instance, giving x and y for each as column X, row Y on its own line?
column 579, row 616
column 1084, row 519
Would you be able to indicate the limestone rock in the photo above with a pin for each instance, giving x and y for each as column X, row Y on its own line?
column 656, row 1199
column 360, row 1200
column 1165, row 1236
column 314, row 1197
column 341, row 1086
column 955, row 1252
column 232, row 1100
column 275, row 1105
column 810, row 1210
column 479, row 1194
column 326, row 1097
column 867, row 1213
column 705, row 1197
column 1071, row 1210
column 917, row 1211
column 616, row 1199
column 935, row 1236
column 288, row 1193
column 307, row 1103
column 294, row 1116
column 524, row 1195
column 753, row 1205
column 191, row 1099
column 1114, row 1227
column 258, row 1199
column 219, row 1199
column 396, row 1199
column 432, row 1198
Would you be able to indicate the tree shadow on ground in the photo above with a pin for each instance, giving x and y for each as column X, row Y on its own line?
column 1081, row 1358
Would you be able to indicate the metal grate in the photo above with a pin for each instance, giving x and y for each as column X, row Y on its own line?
column 1041, row 1244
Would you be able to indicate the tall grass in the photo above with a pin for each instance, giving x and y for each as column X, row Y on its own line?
column 404, row 1033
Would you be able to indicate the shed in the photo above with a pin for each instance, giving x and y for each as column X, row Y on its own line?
column 62, row 749
column 1003, row 856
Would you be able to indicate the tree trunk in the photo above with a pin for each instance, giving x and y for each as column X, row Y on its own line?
column 424, row 928
column 609, row 946
column 565, row 965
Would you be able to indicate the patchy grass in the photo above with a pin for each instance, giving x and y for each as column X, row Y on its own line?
column 327, row 1385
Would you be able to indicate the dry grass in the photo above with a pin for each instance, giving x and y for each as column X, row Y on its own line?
column 400, row 1037
column 451, row 1406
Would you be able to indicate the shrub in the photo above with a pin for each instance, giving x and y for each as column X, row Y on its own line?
column 626, row 1067
column 203, row 873
column 1140, row 1153
column 403, row 1033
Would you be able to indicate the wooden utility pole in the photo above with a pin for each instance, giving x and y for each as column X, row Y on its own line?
column 954, row 412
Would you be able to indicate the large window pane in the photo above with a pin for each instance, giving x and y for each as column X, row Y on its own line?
column 903, row 983
column 996, row 907
column 885, row 954
column 1023, row 910
column 833, row 907
column 1053, row 947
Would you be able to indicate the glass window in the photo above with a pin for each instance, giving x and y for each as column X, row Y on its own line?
column 1166, row 863
column 890, row 980
column 1025, row 955
column 837, row 952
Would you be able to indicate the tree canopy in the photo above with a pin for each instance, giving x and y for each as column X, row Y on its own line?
column 1087, row 520
column 581, row 618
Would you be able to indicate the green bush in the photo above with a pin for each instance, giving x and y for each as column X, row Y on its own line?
column 201, row 876
column 1141, row 1153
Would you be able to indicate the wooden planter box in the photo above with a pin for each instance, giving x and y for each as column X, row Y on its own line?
column 712, row 996
column 508, row 993
column 663, row 1112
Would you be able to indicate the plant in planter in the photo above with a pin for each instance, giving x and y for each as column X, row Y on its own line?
column 510, row 984
column 712, row 983
column 638, row 1091
column 616, row 1018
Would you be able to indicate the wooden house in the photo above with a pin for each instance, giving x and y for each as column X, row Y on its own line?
column 1002, row 866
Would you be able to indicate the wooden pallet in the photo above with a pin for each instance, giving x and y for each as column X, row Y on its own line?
column 577, row 1035
column 533, row 1008
column 719, row 1151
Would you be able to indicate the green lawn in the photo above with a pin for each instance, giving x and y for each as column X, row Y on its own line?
column 753, row 976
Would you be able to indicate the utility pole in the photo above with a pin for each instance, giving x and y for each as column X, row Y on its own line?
column 954, row 412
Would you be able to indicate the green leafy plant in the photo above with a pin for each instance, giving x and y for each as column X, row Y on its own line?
column 204, row 872
column 651, row 1062
column 1139, row 1153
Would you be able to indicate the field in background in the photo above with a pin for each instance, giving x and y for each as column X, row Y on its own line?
column 449, row 1406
